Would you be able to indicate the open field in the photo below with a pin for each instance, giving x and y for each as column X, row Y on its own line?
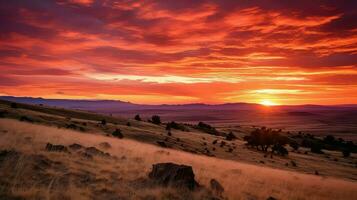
column 120, row 178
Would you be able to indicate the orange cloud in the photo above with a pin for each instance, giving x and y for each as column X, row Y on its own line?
column 180, row 51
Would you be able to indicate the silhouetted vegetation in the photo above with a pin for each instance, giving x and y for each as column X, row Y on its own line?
column 177, row 126
column 128, row 124
column 26, row 119
column 137, row 117
column 293, row 144
column 230, row 136
column 14, row 105
column 155, row 119
column 346, row 153
column 207, row 128
column 329, row 142
column 117, row 133
column 263, row 139
column 103, row 122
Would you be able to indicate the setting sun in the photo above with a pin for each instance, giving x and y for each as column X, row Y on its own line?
column 267, row 102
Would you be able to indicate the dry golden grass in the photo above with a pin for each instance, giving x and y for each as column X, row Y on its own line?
column 241, row 181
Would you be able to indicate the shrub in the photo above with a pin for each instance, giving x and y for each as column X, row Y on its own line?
column 103, row 122
column 137, row 117
column 346, row 153
column 117, row 133
column 25, row 119
column 128, row 124
column 169, row 133
column 316, row 147
column 174, row 125
column 279, row 149
column 155, row 119
column 14, row 105
column 207, row 128
column 293, row 144
column 230, row 136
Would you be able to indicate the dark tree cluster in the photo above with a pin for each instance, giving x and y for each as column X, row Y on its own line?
column 230, row 136
column 264, row 139
column 329, row 142
column 137, row 118
column 207, row 128
column 155, row 119
column 177, row 126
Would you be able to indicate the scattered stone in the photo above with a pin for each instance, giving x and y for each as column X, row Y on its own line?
column 96, row 152
column 105, row 145
column 173, row 175
column 56, row 148
column 216, row 187
column 75, row 146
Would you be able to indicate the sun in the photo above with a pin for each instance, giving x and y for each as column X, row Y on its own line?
column 266, row 102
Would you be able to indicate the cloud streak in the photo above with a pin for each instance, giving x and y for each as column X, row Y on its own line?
column 192, row 51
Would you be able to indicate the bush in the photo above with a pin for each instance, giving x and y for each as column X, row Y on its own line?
column 137, row 117
column 293, row 144
column 230, row 136
column 128, row 124
column 207, row 128
column 279, row 149
column 25, row 119
column 346, row 153
column 316, row 147
column 155, row 119
column 14, row 105
column 174, row 125
column 103, row 122
column 117, row 133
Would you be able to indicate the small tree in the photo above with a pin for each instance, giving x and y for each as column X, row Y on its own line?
column 137, row 117
column 155, row 119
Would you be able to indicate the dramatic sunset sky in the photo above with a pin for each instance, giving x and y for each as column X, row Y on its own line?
column 179, row 51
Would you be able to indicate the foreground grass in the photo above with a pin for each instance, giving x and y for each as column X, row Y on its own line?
column 241, row 181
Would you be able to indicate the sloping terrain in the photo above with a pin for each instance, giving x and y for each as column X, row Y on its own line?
column 330, row 164
column 32, row 170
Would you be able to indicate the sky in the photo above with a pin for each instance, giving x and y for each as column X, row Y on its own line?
column 180, row 51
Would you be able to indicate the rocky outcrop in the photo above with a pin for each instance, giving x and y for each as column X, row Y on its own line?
column 173, row 175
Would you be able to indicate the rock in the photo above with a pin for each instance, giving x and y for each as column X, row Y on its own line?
column 105, row 145
column 173, row 175
column 75, row 146
column 96, row 152
column 56, row 148
column 216, row 187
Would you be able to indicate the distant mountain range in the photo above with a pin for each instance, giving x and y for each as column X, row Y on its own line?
column 115, row 105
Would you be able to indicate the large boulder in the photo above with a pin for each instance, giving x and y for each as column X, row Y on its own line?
column 173, row 175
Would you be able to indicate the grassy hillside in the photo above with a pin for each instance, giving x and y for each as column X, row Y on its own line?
column 30, row 172
column 193, row 140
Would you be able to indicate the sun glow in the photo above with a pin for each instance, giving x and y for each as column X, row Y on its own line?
column 267, row 102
